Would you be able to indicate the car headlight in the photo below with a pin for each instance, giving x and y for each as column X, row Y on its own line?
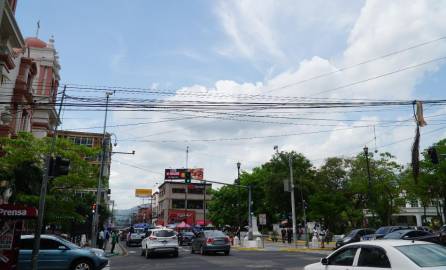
column 98, row 252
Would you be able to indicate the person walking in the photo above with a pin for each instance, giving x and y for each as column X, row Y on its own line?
column 289, row 234
column 114, row 241
column 283, row 235
column 322, row 235
column 101, row 238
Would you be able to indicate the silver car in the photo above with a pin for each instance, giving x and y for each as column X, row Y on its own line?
column 160, row 241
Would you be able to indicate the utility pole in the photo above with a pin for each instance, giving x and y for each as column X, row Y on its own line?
column 304, row 209
column 43, row 189
column 293, row 208
column 369, row 186
column 238, row 196
column 250, row 236
column 186, row 185
column 204, row 204
column 95, row 221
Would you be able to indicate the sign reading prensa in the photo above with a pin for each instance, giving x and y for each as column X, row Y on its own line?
column 176, row 174
column 9, row 211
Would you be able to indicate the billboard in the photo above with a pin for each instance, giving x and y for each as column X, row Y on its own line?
column 143, row 192
column 175, row 174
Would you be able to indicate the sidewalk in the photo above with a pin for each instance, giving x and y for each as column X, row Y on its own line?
column 285, row 247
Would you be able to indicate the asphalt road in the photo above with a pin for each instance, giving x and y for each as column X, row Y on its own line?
column 237, row 260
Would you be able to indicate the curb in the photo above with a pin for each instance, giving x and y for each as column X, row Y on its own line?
column 303, row 250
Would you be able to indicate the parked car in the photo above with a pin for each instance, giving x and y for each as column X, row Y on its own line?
column 211, row 241
column 407, row 234
column 354, row 236
column 185, row 238
column 134, row 238
column 389, row 254
column 163, row 241
column 58, row 253
column 383, row 231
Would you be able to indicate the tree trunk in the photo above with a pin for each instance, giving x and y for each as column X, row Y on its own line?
column 444, row 211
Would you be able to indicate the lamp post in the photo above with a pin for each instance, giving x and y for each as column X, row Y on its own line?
column 238, row 196
column 369, row 184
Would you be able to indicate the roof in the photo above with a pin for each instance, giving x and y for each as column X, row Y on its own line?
column 389, row 243
column 34, row 42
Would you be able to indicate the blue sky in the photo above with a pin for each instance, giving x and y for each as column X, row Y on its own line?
column 244, row 47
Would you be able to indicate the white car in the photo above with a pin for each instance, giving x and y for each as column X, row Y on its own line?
column 385, row 254
column 160, row 241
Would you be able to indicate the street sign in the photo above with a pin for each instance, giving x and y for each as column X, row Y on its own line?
column 262, row 219
column 143, row 192
column 176, row 174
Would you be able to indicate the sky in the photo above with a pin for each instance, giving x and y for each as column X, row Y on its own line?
column 228, row 48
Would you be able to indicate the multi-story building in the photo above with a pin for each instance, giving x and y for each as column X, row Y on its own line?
column 93, row 140
column 172, row 203
column 155, row 207
column 144, row 214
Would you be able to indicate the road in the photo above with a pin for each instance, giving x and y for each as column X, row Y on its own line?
column 237, row 260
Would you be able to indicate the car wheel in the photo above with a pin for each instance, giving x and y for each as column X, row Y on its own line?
column 82, row 265
column 175, row 254
column 226, row 253
column 148, row 255
column 202, row 251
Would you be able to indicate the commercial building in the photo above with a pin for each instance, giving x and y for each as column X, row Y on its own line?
column 172, row 203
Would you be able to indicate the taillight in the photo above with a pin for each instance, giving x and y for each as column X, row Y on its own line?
column 227, row 240
column 152, row 238
column 210, row 240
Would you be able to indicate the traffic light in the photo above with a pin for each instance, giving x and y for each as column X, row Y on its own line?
column 187, row 178
column 59, row 166
column 432, row 152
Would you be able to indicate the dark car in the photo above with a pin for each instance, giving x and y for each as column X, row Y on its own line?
column 383, row 231
column 185, row 238
column 58, row 253
column 354, row 236
column 211, row 241
column 407, row 234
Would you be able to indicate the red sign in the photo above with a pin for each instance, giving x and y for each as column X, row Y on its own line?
column 11, row 211
column 177, row 216
column 176, row 174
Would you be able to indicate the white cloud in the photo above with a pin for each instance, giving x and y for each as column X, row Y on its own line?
column 257, row 29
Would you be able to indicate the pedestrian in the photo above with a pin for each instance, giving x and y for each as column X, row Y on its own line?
column 322, row 235
column 114, row 240
column 283, row 235
column 101, row 238
column 289, row 234
column 107, row 238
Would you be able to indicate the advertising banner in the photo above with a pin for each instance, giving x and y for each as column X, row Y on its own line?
column 176, row 174
column 143, row 192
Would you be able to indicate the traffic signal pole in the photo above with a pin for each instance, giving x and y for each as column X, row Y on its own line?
column 43, row 188
column 293, row 206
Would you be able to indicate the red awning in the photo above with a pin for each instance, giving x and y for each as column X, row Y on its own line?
column 183, row 225
column 15, row 211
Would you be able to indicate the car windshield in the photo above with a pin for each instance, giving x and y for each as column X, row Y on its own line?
column 163, row 233
column 395, row 235
column 214, row 234
column 430, row 255
column 383, row 230
column 139, row 230
column 353, row 233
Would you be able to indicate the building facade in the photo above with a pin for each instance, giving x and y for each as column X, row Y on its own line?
column 173, row 199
